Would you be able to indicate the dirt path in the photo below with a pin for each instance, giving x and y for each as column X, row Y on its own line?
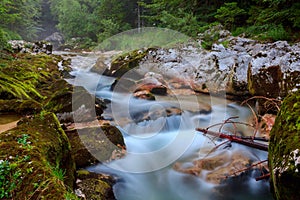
column 8, row 126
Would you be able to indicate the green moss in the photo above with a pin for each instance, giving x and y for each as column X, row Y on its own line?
column 95, row 186
column 93, row 145
column 126, row 62
column 283, row 150
column 44, row 150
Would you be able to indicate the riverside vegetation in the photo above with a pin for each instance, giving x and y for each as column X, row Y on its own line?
column 36, row 158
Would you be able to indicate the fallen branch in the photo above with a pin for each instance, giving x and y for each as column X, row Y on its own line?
column 236, row 139
column 265, row 176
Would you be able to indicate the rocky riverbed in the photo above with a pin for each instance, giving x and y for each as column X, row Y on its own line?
column 44, row 152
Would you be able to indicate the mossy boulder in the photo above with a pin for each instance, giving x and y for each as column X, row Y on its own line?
column 26, row 82
column 124, row 63
column 40, row 164
column 284, row 150
column 95, row 144
column 95, row 186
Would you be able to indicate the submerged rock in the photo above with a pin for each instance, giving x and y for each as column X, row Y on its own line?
column 215, row 169
column 284, row 150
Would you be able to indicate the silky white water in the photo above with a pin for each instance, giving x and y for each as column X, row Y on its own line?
column 153, row 146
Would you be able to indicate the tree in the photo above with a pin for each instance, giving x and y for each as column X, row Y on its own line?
column 229, row 14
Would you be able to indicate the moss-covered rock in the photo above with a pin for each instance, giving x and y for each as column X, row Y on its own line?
column 39, row 157
column 95, row 186
column 284, row 150
column 126, row 62
column 25, row 82
column 96, row 144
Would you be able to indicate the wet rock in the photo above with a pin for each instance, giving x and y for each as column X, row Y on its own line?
column 233, row 65
column 100, row 66
column 125, row 63
column 144, row 94
column 153, row 83
column 216, row 168
column 154, row 114
column 284, row 150
column 90, row 145
column 69, row 102
column 94, row 186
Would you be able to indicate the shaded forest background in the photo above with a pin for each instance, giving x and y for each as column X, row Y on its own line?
column 95, row 20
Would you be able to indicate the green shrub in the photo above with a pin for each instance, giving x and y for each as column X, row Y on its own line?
column 277, row 33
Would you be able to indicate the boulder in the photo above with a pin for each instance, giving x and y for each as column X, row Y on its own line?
column 284, row 150
column 125, row 63
column 91, row 145
column 38, row 160
column 56, row 39
column 94, row 186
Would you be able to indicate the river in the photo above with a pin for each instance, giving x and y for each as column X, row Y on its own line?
column 156, row 146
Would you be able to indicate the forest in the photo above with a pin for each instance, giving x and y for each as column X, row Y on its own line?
column 94, row 20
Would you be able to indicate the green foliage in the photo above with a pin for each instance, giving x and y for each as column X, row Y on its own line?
column 276, row 32
column 229, row 14
column 109, row 28
column 9, row 177
column 58, row 172
column 3, row 40
column 71, row 196
column 23, row 140
column 21, row 17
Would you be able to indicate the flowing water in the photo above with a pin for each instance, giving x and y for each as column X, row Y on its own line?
column 155, row 146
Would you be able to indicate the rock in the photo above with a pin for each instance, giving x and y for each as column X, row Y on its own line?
column 144, row 94
column 284, row 150
column 29, row 47
column 100, row 66
column 125, row 63
column 216, row 168
column 153, row 83
column 39, row 155
column 56, row 39
column 91, row 145
column 68, row 102
column 274, row 69
column 94, row 186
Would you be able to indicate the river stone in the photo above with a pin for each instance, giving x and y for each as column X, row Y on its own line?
column 125, row 63
column 94, row 186
column 91, row 145
column 284, row 150
column 217, row 167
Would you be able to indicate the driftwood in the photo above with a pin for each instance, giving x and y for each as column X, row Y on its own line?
column 248, row 141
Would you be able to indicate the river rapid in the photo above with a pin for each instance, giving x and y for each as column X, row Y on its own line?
column 160, row 148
